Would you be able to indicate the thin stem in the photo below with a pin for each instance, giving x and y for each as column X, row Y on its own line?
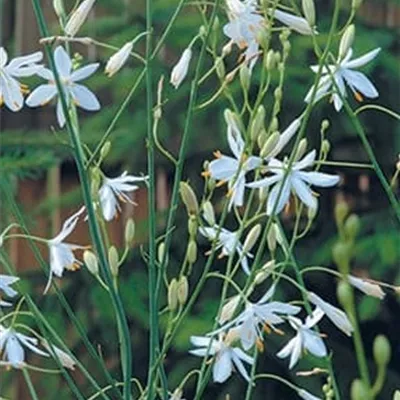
column 29, row 383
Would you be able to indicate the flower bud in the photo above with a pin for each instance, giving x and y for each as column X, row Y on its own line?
column 245, row 77
column 231, row 76
column 78, row 17
column 202, row 31
column 129, row 232
column 270, row 60
column 271, row 238
column 208, row 213
column 264, row 272
column 258, row 123
column 252, row 238
column 278, row 94
column 192, row 252
column 274, row 126
column 324, row 125
column 262, row 138
column 270, row 144
column 277, row 57
column 220, row 67
column 309, row 11
column 358, row 390
column 263, row 193
column 182, row 290
column 228, row 310
column 227, row 49
column 325, row 147
column 231, row 118
column 91, row 262
column 105, row 149
column 180, row 70
column 341, row 211
column 160, row 252
column 113, row 260
column 286, row 50
column 356, row 3
column 173, row 295
column 344, row 294
column 352, row 226
column 189, row 198
column 58, row 6
column 118, row 59
column 301, row 149
column 312, row 212
column 192, row 226
column 382, row 350
column 346, row 41
column 396, row 395
column 341, row 253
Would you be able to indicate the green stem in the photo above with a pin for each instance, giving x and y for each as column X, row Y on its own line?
column 29, row 383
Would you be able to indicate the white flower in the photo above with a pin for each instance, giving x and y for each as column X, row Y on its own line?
column 118, row 59
column 180, row 70
column 342, row 72
column 243, row 27
column 233, row 169
column 298, row 24
column 78, row 17
column 338, row 317
column 113, row 189
column 79, row 94
column 64, row 358
column 61, row 254
column 263, row 312
column 371, row 289
column 5, row 282
column 11, row 346
column 296, row 180
column 226, row 357
column 306, row 339
column 10, row 89
column 229, row 242
column 307, row 395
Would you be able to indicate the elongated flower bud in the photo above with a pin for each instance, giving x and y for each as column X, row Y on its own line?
column 180, row 70
column 270, row 144
column 352, row 226
column 58, row 8
column 91, row 262
column 160, row 252
column 192, row 252
column 220, row 67
column 192, row 226
column 208, row 213
column 118, row 59
column 341, row 211
column 271, row 238
column 105, row 149
column 301, row 149
column 252, row 238
column 129, row 232
column 264, row 272
column 346, row 41
column 173, row 295
column 245, row 77
column 189, row 198
column 113, row 260
column 382, row 350
column 182, row 290
column 229, row 309
column 78, row 17
column 309, row 11
column 258, row 123
column 270, row 60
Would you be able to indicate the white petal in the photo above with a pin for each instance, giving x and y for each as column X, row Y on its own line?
column 222, row 369
column 5, row 282
column 108, row 202
column 313, row 319
column 224, row 168
column 243, row 356
column 84, row 72
column 278, row 197
column 270, row 180
column 235, row 140
column 11, row 92
column 41, row 95
column 287, row 349
column 248, row 332
column 63, row 62
column 3, row 57
column 239, row 365
column 46, row 74
column 33, row 58
column 372, row 289
column 31, row 343
column 296, row 351
column 359, row 82
column 360, row 61
column 14, row 351
column 337, row 99
column 318, row 178
column 84, row 98
column 252, row 163
column 286, row 135
column 304, row 193
column 314, row 344
column 306, row 161
column 68, row 226
column 180, row 70
column 294, row 22
column 238, row 191
column 325, row 84
column 200, row 341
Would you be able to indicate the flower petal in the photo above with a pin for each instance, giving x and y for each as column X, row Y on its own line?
column 63, row 62
column 222, row 369
column 85, row 98
column 359, row 82
column 84, row 72
column 318, row 178
column 278, row 197
column 304, row 193
column 41, row 95
column 360, row 61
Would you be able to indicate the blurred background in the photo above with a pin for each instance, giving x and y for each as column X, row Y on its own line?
column 36, row 163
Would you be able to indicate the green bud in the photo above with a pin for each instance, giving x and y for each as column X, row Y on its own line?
column 274, row 125
column 160, row 252
column 301, row 149
column 129, row 232
column 252, row 238
column 341, row 253
column 105, row 150
column 341, row 211
column 278, row 94
column 216, row 24
column 182, row 290
column 263, row 194
column 352, row 226
column 192, row 226
column 59, row 8
column 270, row 60
column 262, row 37
column 220, row 67
column 344, row 294
column 358, row 390
column 271, row 238
column 286, row 49
column 325, row 147
column 91, row 262
column 330, row 394
column 189, row 198
column 258, row 123
column 346, row 41
column 202, row 31
column 231, row 118
column 262, row 138
column 192, row 252
column 270, row 144
column 264, row 272
column 356, row 3
column 113, row 260
column 382, row 350
column 309, row 11
column 208, row 213
column 173, row 295
column 245, row 77
column 324, row 125
column 312, row 212
column 277, row 57
column 396, row 395
column 326, row 388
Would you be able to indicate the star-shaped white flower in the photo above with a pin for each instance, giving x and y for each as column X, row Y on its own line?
column 298, row 24
column 371, row 289
column 5, row 285
column 233, row 169
column 343, row 72
column 80, row 95
column 261, row 313
column 11, row 91
column 296, row 180
column 226, row 356
column 243, row 27
column 338, row 317
column 305, row 340
column 113, row 189
column 12, row 346
column 61, row 254
column 229, row 242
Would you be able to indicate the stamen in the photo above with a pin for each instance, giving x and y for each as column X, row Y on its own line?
column 229, row 193
column 260, row 345
column 206, row 174
column 217, row 154
column 358, row 97
column 221, row 255
column 267, row 329
column 220, row 183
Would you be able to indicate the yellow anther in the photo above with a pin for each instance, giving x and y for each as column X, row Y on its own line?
column 217, row 154
column 267, row 329
column 220, row 183
column 260, row 345
column 229, row 193
column 358, row 97
column 206, row 174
